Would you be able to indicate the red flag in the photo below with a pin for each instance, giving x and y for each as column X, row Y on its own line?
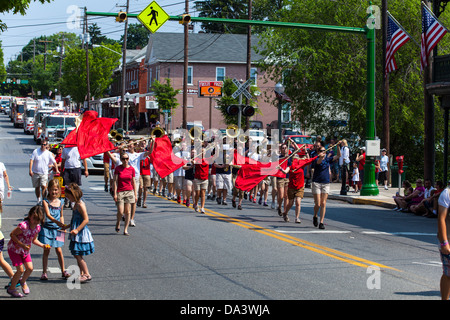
column 91, row 136
column 71, row 139
column 164, row 160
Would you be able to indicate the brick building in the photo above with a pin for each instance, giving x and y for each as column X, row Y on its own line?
column 212, row 57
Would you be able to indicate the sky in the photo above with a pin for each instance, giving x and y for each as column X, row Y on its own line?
column 60, row 15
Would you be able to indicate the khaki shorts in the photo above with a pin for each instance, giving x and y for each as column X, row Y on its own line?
column 179, row 182
column 282, row 182
column 169, row 178
column 200, row 184
column 319, row 188
column 144, row 181
column 126, row 197
column 39, row 180
column 295, row 193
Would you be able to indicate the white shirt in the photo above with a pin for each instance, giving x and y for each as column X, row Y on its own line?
column 444, row 199
column 183, row 155
column 135, row 159
column 72, row 158
column 345, row 156
column 41, row 160
column 384, row 163
column 2, row 178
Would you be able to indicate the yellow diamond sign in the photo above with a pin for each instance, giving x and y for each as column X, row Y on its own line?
column 153, row 17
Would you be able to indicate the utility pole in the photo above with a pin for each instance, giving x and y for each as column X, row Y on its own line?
column 61, row 52
column 186, row 63
column 249, row 56
column 124, row 68
column 88, row 84
column 45, row 51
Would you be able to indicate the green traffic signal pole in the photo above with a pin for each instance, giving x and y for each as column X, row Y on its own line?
column 369, row 186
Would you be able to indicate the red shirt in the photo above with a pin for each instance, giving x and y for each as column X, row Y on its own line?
column 125, row 178
column 201, row 170
column 362, row 162
column 145, row 166
column 296, row 175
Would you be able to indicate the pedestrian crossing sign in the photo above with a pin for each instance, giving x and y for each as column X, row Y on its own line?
column 153, row 17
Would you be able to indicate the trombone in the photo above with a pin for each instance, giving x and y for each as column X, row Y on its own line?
column 232, row 131
column 196, row 133
column 116, row 135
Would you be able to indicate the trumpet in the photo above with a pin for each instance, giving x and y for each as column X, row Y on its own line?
column 158, row 132
column 242, row 138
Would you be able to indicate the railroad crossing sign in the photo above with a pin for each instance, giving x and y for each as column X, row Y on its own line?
column 242, row 89
column 153, row 17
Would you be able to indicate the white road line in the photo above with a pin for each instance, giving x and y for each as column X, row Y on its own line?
column 26, row 189
column 49, row 269
column 398, row 233
column 312, row 231
column 430, row 263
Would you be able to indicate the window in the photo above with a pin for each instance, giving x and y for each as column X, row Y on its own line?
column 190, row 76
column 220, row 74
column 254, row 76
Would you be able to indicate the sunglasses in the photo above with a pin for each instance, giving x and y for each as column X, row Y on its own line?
column 124, row 158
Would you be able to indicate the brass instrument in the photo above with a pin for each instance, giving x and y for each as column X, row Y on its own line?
column 232, row 131
column 158, row 132
column 116, row 135
column 196, row 133
column 242, row 138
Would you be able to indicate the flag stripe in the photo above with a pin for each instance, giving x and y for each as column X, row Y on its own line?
column 432, row 33
column 396, row 38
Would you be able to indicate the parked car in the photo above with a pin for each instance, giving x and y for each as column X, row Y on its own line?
column 256, row 135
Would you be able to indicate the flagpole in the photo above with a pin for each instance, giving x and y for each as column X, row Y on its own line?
column 434, row 16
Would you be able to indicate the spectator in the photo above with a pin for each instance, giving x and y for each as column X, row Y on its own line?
column 428, row 206
column 344, row 160
column 361, row 158
column 382, row 174
column 414, row 198
column 355, row 176
column 402, row 201
column 40, row 160
column 443, row 235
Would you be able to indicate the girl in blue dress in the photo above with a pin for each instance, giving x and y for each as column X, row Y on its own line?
column 81, row 241
column 54, row 221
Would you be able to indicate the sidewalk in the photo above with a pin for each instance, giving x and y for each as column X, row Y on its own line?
column 383, row 199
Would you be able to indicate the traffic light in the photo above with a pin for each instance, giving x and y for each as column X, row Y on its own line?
column 121, row 16
column 248, row 111
column 233, row 110
column 185, row 19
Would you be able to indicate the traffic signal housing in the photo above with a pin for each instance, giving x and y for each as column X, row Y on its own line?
column 248, row 111
column 121, row 16
column 233, row 110
column 185, row 19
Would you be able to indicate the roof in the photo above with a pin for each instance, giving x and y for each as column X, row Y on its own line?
column 203, row 47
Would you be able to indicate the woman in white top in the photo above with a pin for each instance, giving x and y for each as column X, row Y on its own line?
column 382, row 175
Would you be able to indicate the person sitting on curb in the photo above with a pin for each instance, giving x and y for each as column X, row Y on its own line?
column 402, row 201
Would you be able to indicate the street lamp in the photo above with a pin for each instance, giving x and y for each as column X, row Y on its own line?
column 279, row 89
column 99, row 45
column 127, row 97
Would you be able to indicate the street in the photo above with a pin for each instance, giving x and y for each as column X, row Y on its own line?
column 174, row 253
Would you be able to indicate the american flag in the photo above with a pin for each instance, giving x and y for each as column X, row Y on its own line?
column 432, row 33
column 396, row 37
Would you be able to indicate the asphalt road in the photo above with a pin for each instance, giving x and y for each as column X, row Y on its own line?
column 174, row 253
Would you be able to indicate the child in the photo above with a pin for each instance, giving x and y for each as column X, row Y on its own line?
column 54, row 221
column 3, row 263
column 355, row 176
column 19, row 249
column 81, row 241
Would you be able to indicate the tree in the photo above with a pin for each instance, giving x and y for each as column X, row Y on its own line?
column 325, row 72
column 102, row 63
column 165, row 96
column 228, row 9
column 96, row 35
column 137, row 36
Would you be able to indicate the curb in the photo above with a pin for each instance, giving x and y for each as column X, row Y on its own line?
column 353, row 200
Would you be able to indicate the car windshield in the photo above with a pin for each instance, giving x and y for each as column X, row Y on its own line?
column 53, row 122
column 302, row 140
column 20, row 108
column 257, row 133
column 30, row 112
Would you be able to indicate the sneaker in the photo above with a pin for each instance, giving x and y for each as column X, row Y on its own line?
column 265, row 204
column 213, row 197
column 106, row 188
column 202, row 210
column 187, row 203
column 297, row 220
column 279, row 211
column 251, row 198
column 208, row 197
column 139, row 202
column 285, row 218
column 315, row 222
column 224, row 202
column 254, row 200
column 321, row 226
column 44, row 277
column 239, row 207
column 260, row 201
column 272, row 205
column 386, row 188
column 233, row 203
column 132, row 224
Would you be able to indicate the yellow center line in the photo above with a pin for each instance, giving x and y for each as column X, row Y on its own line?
column 329, row 252
column 332, row 253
